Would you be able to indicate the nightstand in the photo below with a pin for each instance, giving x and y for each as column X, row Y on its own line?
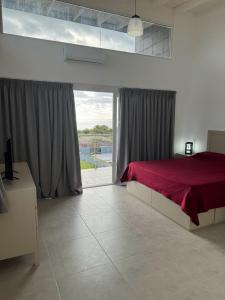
column 179, row 155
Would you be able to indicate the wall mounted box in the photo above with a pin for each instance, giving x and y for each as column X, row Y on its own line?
column 84, row 54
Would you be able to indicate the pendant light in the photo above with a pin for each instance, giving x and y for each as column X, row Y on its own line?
column 135, row 26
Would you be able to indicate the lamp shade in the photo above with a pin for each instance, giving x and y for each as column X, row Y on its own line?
column 135, row 26
column 189, row 148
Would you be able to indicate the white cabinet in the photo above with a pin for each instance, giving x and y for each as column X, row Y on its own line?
column 19, row 226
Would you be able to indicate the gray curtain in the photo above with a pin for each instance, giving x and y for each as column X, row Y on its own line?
column 40, row 119
column 146, row 126
column 3, row 198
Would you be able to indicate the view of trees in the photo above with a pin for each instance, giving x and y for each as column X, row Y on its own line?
column 98, row 129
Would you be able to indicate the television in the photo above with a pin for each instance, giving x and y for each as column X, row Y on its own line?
column 8, row 161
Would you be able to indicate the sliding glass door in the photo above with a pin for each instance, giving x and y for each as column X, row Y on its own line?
column 94, row 112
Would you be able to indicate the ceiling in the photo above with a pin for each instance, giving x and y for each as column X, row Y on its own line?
column 160, row 11
column 195, row 6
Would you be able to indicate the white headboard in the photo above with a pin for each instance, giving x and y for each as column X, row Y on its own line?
column 216, row 141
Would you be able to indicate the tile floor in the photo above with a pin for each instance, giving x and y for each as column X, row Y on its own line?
column 95, row 177
column 108, row 245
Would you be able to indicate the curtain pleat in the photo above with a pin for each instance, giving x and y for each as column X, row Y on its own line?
column 3, row 198
column 146, row 126
column 40, row 119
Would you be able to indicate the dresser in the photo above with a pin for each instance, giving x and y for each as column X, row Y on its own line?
column 19, row 226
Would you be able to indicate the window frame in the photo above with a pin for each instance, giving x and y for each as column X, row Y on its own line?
column 170, row 27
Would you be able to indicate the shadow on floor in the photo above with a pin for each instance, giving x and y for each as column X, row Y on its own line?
column 215, row 234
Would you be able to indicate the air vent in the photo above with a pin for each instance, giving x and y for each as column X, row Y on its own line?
column 84, row 54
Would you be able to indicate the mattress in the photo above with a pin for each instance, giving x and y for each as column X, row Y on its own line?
column 196, row 183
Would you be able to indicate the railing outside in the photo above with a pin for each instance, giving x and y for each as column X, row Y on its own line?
column 95, row 150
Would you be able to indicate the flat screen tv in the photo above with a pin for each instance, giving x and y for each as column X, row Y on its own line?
column 8, row 161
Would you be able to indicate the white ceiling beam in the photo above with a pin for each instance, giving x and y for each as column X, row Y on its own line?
column 160, row 2
column 192, row 4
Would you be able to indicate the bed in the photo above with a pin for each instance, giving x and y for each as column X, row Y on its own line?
column 190, row 190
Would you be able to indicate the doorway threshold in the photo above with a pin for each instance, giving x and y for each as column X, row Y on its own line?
column 94, row 186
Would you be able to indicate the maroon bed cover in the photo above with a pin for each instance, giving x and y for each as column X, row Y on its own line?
column 196, row 183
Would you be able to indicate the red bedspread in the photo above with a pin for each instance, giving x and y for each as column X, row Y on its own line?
column 196, row 183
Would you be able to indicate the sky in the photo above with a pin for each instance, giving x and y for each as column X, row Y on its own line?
column 93, row 108
column 37, row 26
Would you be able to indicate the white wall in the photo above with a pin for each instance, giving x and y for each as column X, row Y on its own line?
column 42, row 60
column 208, row 80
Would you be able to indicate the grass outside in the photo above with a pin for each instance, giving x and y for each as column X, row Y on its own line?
column 86, row 165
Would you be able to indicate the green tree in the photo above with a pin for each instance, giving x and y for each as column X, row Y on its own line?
column 102, row 129
column 86, row 131
column 98, row 129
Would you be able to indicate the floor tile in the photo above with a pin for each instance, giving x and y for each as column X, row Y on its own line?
column 104, row 221
column 52, row 211
column 98, row 176
column 63, row 231
column 76, row 256
column 103, row 283
column 124, row 243
column 20, row 280
column 106, row 244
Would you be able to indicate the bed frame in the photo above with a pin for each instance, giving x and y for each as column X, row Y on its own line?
column 216, row 143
